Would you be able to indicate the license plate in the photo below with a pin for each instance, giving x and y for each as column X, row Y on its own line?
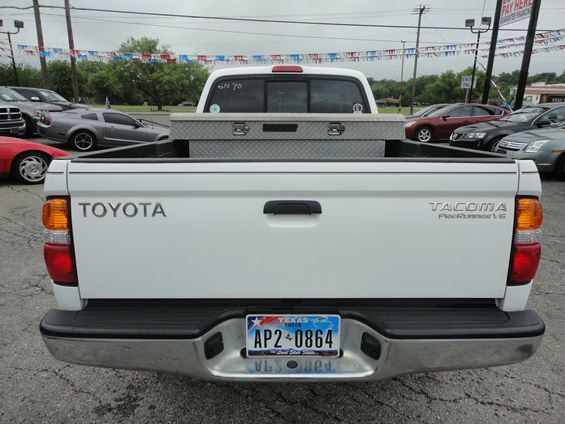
column 293, row 335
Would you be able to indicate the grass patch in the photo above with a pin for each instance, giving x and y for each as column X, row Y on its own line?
column 392, row 109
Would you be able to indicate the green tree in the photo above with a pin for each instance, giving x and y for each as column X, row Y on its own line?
column 28, row 76
column 159, row 83
column 110, row 81
column 60, row 79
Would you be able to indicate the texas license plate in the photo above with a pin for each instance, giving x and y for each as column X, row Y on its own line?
column 293, row 335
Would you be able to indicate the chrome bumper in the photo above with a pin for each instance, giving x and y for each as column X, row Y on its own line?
column 187, row 356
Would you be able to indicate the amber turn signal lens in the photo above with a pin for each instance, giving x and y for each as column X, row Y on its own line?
column 529, row 214
column 56, row 214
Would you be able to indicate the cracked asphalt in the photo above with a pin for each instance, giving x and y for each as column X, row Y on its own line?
column 37, row 388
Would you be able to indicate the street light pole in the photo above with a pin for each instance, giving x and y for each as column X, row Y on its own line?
column 402, row 74
column 13, row 59
column 470, row 23
column 18, row 25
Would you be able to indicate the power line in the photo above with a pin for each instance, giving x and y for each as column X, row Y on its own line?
column 257, row 20
column 235, row 31
column 227, row 31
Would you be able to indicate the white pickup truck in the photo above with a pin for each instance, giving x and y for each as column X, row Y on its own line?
column 295, row 241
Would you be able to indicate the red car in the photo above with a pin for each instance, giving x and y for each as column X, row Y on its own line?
column 25, row 160
column 439, row 124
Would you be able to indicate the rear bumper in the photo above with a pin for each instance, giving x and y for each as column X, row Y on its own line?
column 402, row 341
column 48, row 131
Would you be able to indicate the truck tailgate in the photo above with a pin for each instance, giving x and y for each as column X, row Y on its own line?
column 387, row 229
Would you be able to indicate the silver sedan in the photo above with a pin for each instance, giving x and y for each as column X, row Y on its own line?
column 546, row 147
column 85, row 130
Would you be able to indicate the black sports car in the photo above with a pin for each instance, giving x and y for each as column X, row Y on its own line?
column 486, row 135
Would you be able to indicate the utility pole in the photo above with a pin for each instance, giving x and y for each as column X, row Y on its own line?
column 527, row 55
column 72, row 47
column 420, row 10
column 401, row 74
column 39, row 29
column 491, row 52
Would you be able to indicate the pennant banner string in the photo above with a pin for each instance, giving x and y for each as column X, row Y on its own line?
column 506, row 48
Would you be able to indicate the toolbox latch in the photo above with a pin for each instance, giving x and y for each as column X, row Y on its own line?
column 335, row 128
column 239, row 128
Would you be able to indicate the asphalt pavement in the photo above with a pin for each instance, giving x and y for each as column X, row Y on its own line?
column 37, row 388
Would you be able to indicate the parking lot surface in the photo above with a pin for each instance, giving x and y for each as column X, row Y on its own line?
column 37, row 388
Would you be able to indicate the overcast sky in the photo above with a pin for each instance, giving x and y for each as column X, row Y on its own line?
column 105, row 31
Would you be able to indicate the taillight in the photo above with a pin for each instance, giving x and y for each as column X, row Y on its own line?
column 526, row 251
column 58, row 249
column 60, row 264
column 287, row 68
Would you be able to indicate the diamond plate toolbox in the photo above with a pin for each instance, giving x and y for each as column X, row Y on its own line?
column 286, row 136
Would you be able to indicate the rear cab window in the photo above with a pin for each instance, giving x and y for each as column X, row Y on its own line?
column 287, row 94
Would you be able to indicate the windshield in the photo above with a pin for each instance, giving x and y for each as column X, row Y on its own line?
column 11, row 96
column 524, row 115
column 51, row 96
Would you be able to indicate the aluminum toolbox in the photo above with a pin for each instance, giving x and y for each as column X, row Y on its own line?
column 286, row 136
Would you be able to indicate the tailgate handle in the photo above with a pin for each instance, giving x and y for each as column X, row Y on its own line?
column 292, row 207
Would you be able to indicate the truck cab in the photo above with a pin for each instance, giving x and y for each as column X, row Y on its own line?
column 287, row 89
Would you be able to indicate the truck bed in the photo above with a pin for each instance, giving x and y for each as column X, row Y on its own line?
column 395, row 150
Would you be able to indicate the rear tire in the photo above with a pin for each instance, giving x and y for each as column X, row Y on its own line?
column 559, row 171
column 424, row 134
column 83, row 141
column 31, row 167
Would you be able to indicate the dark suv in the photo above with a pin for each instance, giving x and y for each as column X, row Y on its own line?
column 47, row 96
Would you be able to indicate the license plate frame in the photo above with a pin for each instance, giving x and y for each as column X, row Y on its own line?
column 299, row 335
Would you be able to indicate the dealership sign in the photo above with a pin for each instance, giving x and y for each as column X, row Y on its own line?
column 515, row 10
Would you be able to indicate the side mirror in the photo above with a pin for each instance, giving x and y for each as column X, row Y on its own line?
column 543, row 123
column 444, row 117
column 137, row 124
column 35, row 99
